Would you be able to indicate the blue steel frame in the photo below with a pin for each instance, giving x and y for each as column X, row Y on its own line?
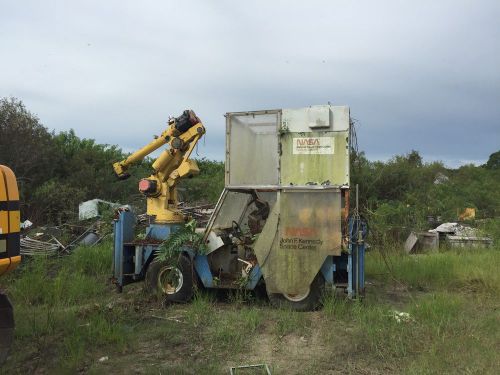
column 123, row 233
column 358, row 230
column 352, row 262
column 130, row 261
column 126, row 254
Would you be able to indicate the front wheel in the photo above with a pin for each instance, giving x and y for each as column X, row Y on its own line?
column 174, row 280
column 301, row 302
column 6, row 327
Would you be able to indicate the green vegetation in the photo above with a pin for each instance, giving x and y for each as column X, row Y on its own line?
column 461, row 269
column 423, row 314
column 60, row 307
column 185, row 236
column 398, row 196
column 68, row 170
column 69, row 316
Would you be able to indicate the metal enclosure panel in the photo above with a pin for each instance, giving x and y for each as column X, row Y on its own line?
column 301, row 231
column 269, row 197
column 252, row 148
column 315, row 118
column 301, row 157
column 231, row 209
column 315, row 157
column 123, row 233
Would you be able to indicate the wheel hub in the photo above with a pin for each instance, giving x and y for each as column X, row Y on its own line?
column 170, row 280
column 297, row 297
column 6, row 327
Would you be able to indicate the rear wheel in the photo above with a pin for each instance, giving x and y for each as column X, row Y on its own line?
column 308, row 301
column 6, row 327
column 174, row 280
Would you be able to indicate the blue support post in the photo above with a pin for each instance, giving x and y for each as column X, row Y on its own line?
column 358, row 230
column 254, row 277
column 203, row 269
column 123, row 233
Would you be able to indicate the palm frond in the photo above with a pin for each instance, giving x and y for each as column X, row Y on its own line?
column 183, row 237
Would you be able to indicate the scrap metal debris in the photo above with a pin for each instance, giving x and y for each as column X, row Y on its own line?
column 90, row 230
column 402, row 317
column 421, row 240
column 30, row 246
column 456, row 229
column 200, row 213
column 451, row 234
column 48, row 241
column 95, row 208
column 26, row 224
column 458, row 235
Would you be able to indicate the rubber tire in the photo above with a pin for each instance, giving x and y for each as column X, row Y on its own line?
column 184, row 265
column 6, row 339
column 6, row 327
column 310, row 303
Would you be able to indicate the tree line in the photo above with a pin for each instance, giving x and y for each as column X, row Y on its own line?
column 404, row 193
column 57, row 171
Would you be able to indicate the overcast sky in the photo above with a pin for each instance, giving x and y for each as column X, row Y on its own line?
column 421, row 75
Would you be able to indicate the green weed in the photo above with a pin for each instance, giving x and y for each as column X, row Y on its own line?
column 287, row 321
column 251, row 318
column 200, row 310
column 92, row 261
column 336, row 307
column 455, row 269
column 65, row 321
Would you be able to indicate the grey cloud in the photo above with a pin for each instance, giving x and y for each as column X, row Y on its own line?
column 417, row 75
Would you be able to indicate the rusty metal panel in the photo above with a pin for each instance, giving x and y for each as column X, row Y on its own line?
column 301, row 158
column 252, row 148
column 320, row 157
column 301, row 231
column 264, row 244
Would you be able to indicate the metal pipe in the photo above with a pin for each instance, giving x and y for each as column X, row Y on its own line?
column 358, row 239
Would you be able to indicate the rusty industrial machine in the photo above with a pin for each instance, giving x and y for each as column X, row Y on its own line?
column 133, row 257
column 9, row 251
column 283, row 221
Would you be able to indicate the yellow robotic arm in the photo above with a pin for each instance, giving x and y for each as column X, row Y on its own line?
column 173, row 164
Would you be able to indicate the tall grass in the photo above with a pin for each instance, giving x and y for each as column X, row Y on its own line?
column 62, row 282
column 446, row 332
column 453, row 322
column 60, row 304
column 469, row 269
column 65, row 321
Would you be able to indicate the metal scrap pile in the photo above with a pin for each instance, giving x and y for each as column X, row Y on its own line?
column 451, row 234
column 91, row 229
column 458, row 235
column 31, row 246
column 60, row 240
column 200, row 213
